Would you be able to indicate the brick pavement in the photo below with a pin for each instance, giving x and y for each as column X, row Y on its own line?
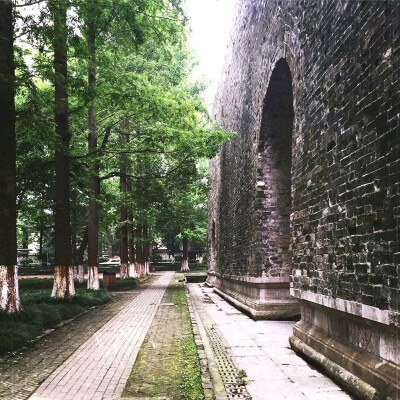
column 101, row 366
column 23, row 372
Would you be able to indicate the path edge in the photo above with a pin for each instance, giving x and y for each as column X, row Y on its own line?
column 211, row 380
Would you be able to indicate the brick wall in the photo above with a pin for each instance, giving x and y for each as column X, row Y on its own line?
column 344, row 59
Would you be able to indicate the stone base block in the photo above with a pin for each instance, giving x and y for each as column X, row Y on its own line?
column 211, row 280
column 360, row 354
column 260, row 298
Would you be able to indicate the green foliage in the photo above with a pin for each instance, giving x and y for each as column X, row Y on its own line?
column 242, row 375
column 155, row 258
column 150, row 116
column 191, row 374
column 26, row 261
column 126, row 284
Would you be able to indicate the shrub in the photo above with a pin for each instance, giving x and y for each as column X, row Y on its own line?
column 26, row 261
column 155, row 258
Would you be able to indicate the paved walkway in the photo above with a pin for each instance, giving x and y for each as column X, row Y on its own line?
column 166, row 367
column 262, row 349
column 23, row 372
column 100, row 368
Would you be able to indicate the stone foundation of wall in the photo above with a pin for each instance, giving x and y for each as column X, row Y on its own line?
column 364, row 343
column 260, row 298
column 308, row 191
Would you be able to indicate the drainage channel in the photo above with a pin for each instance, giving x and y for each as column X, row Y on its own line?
column 231, row 378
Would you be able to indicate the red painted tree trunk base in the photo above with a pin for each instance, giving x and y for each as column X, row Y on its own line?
column 123, row 271
column 9, row 292
column 63, row 287
column 93, row 278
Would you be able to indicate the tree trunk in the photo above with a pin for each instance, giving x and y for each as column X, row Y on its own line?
column 123, row 274
column 185, row 258
column 173, row 248
column 81, row 273
column 63, row 272
column 40, row 257
column 150, row 250
column 79, row 255
column 94, row 184
column 9, row 294
column 139, row 252
column 146, row 250
column 110, row 244
column 74, row 229
column 132, row 271
column 25, row 237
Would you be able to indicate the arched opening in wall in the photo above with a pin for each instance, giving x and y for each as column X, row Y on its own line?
column 274, row 175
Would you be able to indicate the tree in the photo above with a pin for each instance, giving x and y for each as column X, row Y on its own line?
column 94, row 183
column 63, row 271
column 132, row 259
column 9, row 294
column 185, row 254
column 124, row 267
column 185, row 206
column 127, row 77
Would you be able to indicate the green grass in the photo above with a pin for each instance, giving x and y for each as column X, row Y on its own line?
column 168, row 363
column 41, row 311
column 191, row 373
column 124, row 284
column 43, row 283
column 177, row 267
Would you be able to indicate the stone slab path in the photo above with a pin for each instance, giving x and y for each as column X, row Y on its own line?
column 101, row 366
column 262, row 350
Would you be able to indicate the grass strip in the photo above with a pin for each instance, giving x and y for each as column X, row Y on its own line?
column 41, row 311
column 168, row 364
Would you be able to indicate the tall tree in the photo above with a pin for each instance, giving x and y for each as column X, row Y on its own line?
column 132, row 271
column 79, row 255
column 9, row 295
column 123, row 272
column 185, row 254
column 146, row 250
column 63, row 270
column 94, row 183
column 139, row 251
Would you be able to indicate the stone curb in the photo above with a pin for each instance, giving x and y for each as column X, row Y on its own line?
column 343, row 377
column 213, row 386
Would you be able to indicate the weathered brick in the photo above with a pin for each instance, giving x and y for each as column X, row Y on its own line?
column 345, row 148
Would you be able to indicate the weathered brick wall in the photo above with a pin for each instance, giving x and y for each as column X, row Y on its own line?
column 344, row 57
column 212, row 215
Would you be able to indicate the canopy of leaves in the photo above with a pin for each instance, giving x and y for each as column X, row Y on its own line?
column 152, row 125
